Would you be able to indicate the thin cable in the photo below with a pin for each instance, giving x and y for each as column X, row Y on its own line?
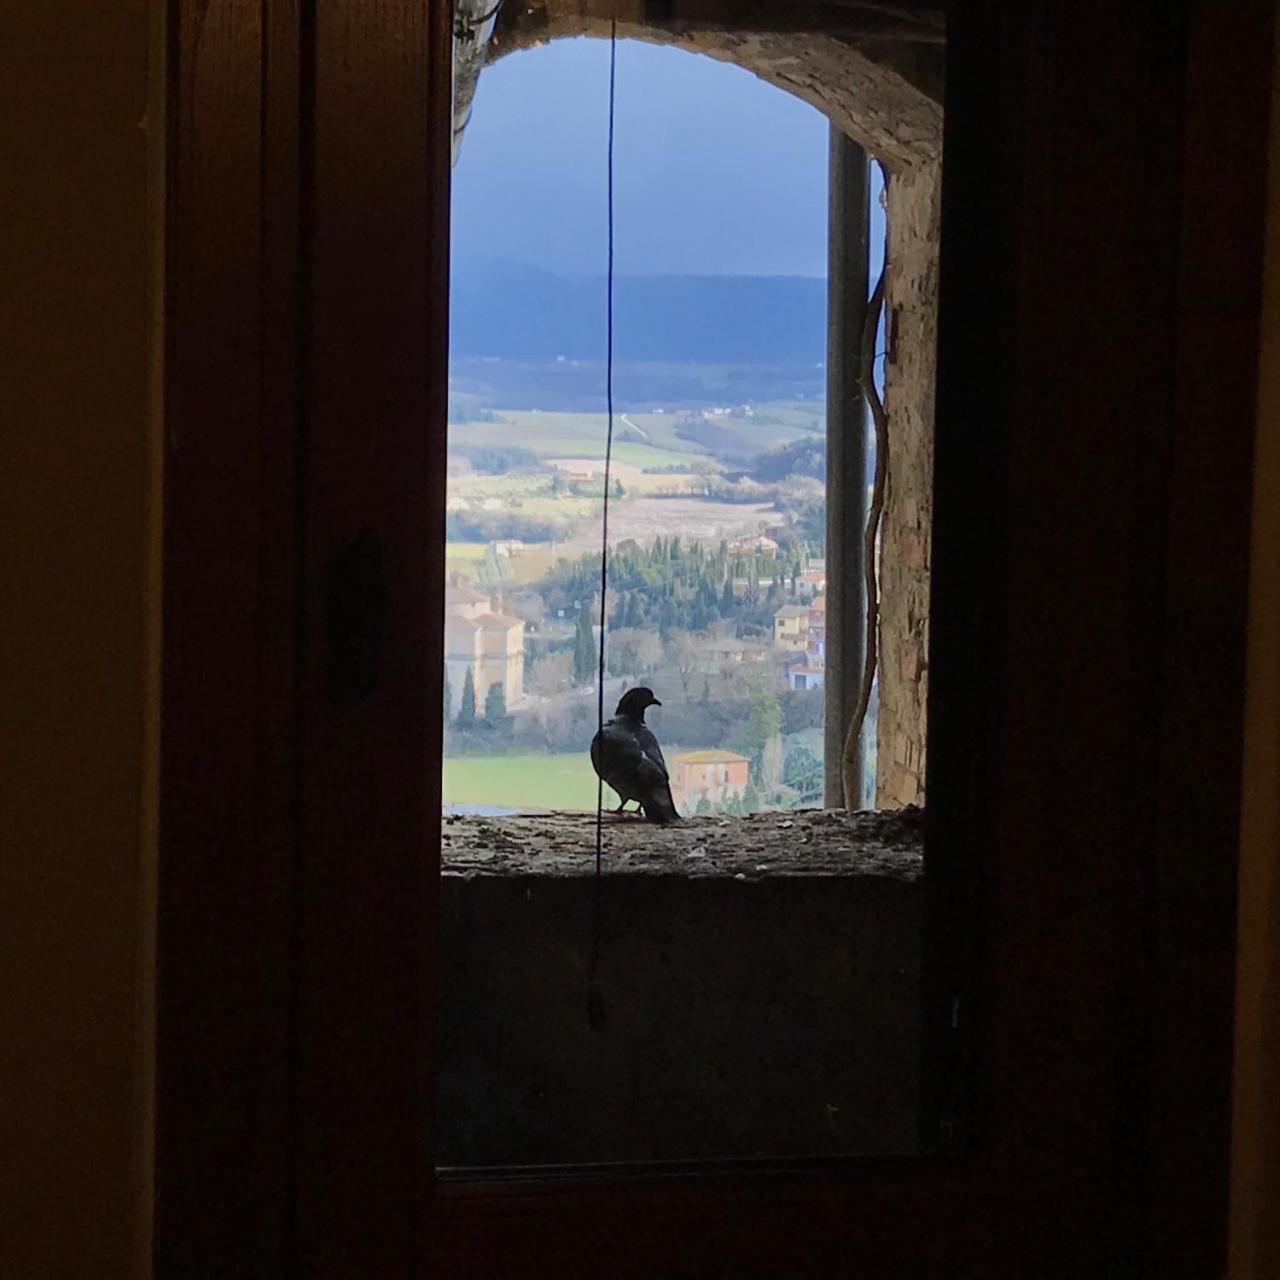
column 595, row 997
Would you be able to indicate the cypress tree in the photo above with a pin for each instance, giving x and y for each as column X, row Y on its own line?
column 495, row 703
column 584, row 648
column 467, row 709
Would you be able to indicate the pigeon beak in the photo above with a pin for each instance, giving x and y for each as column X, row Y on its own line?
column 655, row 703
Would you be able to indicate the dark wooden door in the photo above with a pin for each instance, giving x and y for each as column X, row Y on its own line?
column 1101, row 233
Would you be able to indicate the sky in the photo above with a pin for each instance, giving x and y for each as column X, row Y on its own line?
column 716, row 171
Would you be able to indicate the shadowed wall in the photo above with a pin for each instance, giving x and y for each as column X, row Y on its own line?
column 76, row 658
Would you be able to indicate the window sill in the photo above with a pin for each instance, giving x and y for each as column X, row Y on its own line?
column 790, row 844
column 760, row 978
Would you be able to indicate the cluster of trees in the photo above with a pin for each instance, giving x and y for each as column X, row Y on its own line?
column 563, row 487
column 498, row 460
column 739, row 805
column 484, row 526
column 671, row 586
column 466, row 409
column 804, row 457
column 802, row 772
column 495, row 704
column 567, row 723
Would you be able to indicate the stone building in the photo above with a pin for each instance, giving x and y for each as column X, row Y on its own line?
column 790, row 625
column 479, row 637
column 712, row 775
column 816, row 630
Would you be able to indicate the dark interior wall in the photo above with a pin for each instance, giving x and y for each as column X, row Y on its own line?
column 76, row 656
column 1255, row 1173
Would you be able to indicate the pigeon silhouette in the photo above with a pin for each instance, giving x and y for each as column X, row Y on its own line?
column 627, row 756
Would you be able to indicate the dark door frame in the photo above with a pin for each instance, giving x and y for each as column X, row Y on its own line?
column 1102, row 218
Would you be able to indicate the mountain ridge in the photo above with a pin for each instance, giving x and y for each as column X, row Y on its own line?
column 519, row 312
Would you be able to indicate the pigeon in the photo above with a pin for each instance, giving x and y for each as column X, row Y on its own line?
column 627, row 756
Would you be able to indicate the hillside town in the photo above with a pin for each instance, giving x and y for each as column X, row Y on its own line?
column 733, row 638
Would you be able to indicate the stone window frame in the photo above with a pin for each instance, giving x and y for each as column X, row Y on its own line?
column 881, row 85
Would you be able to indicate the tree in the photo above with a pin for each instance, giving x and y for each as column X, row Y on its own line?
column 726, row 599
column 771, row 762
column 448, row 695
column 495, row 703
column 750, row 798
column 467, row 709
column 551, row 673
column 493, row 570
column 765, row 718
column 584, row 648
column 802, row 770
column 633, row 651
column 530, row 606
column 684, row 656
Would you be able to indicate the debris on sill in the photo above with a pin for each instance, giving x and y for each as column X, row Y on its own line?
column 783, row 843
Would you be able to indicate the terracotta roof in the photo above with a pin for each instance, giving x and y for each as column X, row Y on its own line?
column 710, row 757
column 463, row 595
column 498, row 620
column 792, row 611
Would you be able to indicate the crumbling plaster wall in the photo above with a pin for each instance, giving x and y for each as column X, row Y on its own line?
column 910, row 375
column 886, row 95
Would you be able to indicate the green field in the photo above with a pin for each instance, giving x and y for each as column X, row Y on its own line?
column 535, row 562
column 774, row 424
column 467, row 551
column 567, row 435
column 562, row 781
column 643, row 439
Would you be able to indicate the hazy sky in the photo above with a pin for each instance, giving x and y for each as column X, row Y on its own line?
column 716, row 172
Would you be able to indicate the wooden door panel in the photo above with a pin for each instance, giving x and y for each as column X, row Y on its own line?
column 1087, row 629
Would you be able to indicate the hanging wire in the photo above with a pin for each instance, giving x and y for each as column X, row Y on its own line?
column 595, row 997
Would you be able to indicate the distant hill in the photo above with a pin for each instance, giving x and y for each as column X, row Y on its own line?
column 516, row 312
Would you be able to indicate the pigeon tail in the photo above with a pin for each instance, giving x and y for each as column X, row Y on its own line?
column 660, row 807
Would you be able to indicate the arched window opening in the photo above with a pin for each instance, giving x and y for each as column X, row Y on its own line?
column 744, row 468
